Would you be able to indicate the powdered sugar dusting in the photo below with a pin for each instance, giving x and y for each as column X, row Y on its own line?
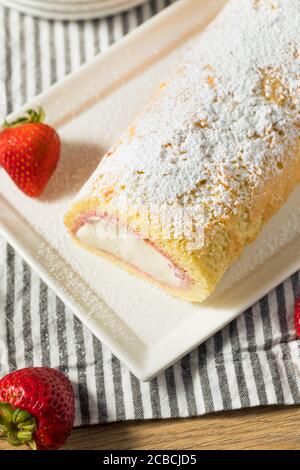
column 223, row 122
column 280, row 231
column 70, row 283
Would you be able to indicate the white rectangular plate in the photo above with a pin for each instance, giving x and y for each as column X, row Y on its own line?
column 143, row 326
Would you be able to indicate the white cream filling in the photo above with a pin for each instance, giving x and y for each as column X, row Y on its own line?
column 101, row 234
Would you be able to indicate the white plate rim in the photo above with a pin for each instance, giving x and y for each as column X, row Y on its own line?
column 80, row 13
column 92, row 5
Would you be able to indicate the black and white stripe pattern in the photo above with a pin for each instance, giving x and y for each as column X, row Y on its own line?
column 253, row 361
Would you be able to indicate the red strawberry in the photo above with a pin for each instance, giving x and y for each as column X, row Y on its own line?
column 297, row 318
column 37, row 408
column 29, row 152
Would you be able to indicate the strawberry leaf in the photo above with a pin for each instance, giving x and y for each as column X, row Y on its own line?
column 32, row 116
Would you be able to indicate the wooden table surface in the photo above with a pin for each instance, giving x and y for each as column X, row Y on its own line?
column 260, row 428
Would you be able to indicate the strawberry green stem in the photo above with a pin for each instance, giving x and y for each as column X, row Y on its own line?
column 17, row 426
column 32, row 116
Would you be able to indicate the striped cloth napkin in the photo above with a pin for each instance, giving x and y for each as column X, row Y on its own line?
column 254, row 361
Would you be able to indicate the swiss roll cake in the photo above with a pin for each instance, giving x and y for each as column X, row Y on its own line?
column 215, row 153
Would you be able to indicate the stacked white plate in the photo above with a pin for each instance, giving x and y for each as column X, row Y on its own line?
column 71, row 9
